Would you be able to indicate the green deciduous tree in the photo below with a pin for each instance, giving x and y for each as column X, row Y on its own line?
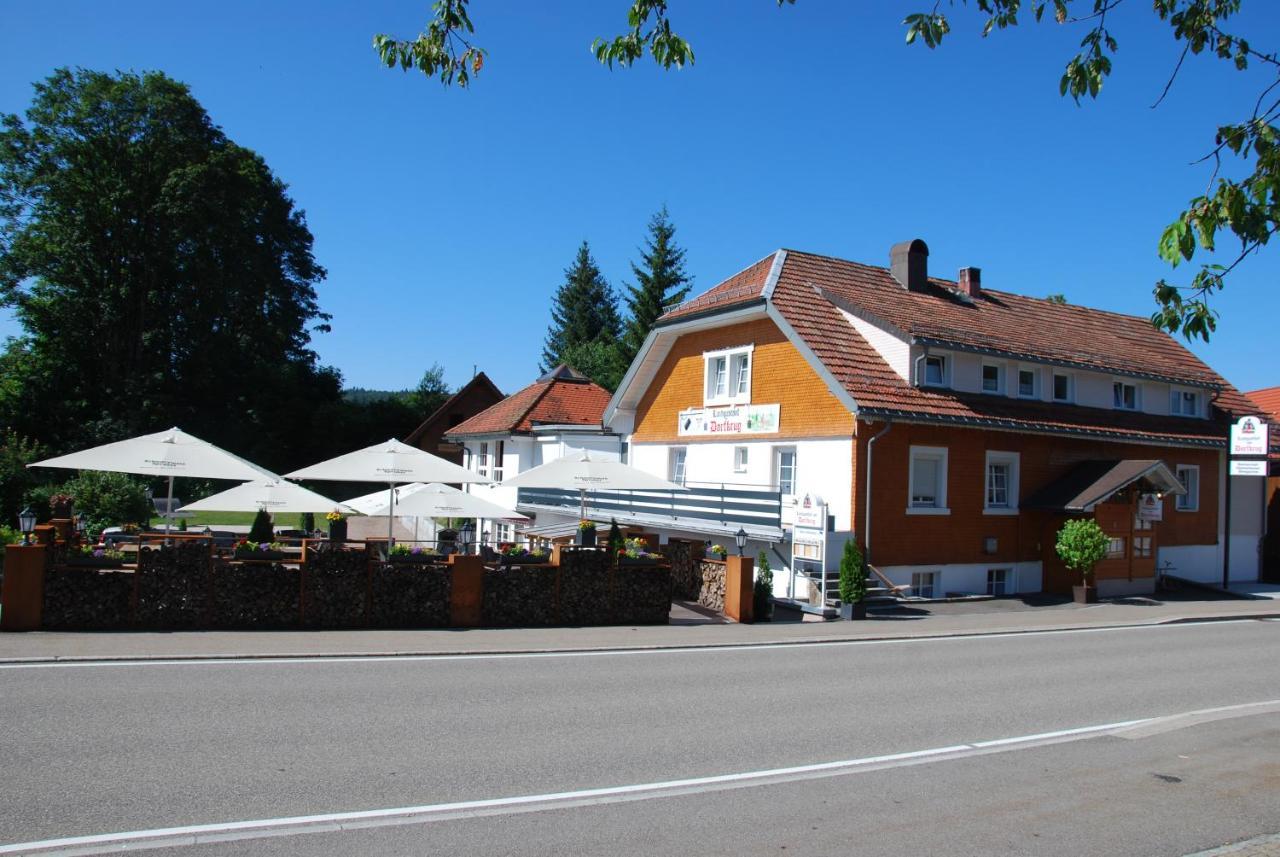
column 432, row 392
column 1247, row 209
column 583, row 311
column 160, row 272
column 108, row 499
column 661, row 283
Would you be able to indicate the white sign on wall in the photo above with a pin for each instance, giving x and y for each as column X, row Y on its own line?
column 1249, row 437
column 811, row 514
column 1150, row 508
column 1248, row 468
column 740, row 419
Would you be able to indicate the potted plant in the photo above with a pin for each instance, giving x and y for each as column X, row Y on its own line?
column 763, row 592
column 617, row 543
column 96, row 557
column 853, row 583
column 402, row 553
column 510, row 554
column 587, row 533
column 636, row 552
column 1081, row 545
column 251, row 550
column 60, row 505
column 719, row 552
column 337, row 526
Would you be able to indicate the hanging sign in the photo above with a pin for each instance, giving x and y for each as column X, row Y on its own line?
column 1150, row 508
column 1248, row 468
column 1249, row 437
column 740, row 419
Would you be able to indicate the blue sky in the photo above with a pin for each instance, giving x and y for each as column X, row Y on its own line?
column 446, row 217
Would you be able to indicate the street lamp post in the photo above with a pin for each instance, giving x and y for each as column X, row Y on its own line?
column 26, row 523
column 740, row 537
column 467, row 530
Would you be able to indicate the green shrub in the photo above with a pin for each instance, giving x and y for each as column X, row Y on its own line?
column 853, row 577
column 105, row 499
column 16, row 479
column 1081, row 545
column 262, row 529
column 764, row 577
column 616, row 541
column 307, row 523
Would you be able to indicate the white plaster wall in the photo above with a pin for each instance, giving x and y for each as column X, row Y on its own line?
column 966, row 372
column 970, row 579
column 896, row 352
column 1202, row 563
column 1155, row 398
column 1093, row 390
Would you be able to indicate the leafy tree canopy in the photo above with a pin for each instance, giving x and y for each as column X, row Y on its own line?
column 1247, row 210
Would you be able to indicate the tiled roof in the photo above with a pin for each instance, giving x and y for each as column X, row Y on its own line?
column 557, row 398
column 743, row 287
column 1268, row 401
column 811, row 290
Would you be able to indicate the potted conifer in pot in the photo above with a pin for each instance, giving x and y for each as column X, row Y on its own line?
column 763, row 593
column 853, row 583
column 1081, row 545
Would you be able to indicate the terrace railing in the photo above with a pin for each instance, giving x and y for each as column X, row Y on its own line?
column 757, row 509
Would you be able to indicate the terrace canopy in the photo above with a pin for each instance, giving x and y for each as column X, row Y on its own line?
column 1092, row 482
column 581, row 472
column 169, row 453
column 274, row 495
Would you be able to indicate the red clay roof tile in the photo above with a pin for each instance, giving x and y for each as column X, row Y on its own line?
column 548, row 401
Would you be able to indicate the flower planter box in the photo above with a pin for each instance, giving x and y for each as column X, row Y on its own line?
column 853, row 611
column 261, row 556
column 337, row 531
column 94, row 562
column 587, row 538
column 1085, row 594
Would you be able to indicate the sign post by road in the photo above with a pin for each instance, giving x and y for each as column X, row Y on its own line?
column 1247, row 456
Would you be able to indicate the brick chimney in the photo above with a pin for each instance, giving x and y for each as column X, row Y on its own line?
column 909, row 264
column 970, row 281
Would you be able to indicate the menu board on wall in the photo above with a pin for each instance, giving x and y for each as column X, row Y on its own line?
column 739, row 419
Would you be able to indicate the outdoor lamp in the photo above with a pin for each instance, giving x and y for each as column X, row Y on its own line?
column 740, row 537
column 466, row 531
column 26, row 523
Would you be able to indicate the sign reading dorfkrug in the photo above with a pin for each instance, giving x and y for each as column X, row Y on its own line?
column 739, row 419
column 1249, row 437
column 1150, row 507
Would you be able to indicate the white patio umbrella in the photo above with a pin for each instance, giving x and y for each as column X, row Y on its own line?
column 582, row 472
column 367, row 504
column 274, row 495
column 391, row 462
column 445, row 501
column 169, row 453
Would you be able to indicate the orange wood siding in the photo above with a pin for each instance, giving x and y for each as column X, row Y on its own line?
column 779, row 375
column 901, row 539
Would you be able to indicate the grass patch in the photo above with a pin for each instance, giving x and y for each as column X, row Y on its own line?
column 283, row 520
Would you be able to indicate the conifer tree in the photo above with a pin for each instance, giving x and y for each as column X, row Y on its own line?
column 585, row 310
column 661, row 283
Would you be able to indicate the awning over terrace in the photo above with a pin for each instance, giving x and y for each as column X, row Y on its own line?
column 1092, row 482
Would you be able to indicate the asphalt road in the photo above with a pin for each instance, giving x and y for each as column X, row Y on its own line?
column 102, row 749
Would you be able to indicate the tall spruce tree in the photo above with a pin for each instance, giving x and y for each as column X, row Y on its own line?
column 661, row 283
column 585, row 310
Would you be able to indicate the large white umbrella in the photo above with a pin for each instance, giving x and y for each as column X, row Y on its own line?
column 274, row 495
column 367, row 504
column 445, row 501
column 391, row 462
column 582, row 472
column 169, row 453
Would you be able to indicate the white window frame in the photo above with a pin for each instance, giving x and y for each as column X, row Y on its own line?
column 1013, row 461
column 1010, row 584
column 737, row 376
column 1035, row 383
column 917, row 585
column 1071, row 388
column 982, row 378
column 482, row 459
column 1189, row 502
column 678, row 464
column 1123, row 384
column 939, row 454
column 778, row 452
column 944, row 368
column 1176, row 401
column 499, row 451
column 740, row 458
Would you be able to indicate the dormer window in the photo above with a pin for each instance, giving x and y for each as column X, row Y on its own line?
column 992, row 378
column 727, row 377
column 935, row 371
column 1124, row 396
column 1184, row 403
column 1028, row 388
column 1061, row 387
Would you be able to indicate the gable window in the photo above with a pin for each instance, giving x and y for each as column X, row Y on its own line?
column 739, row 459
column 1184, row 402
column 935, row 371
column 1027, row 383
column 784, row 465
column 1124, row 396
column 999, row 581
column 499, row 449
column 924, row 583
column 1061, row 387
column 992, row 382
column 927, row 481
column 1002, row 483
column 727, row 376
column 676, row 465
column 1189, row 476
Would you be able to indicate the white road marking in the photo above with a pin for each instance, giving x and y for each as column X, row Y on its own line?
column 339, row 821
column 773, row 645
